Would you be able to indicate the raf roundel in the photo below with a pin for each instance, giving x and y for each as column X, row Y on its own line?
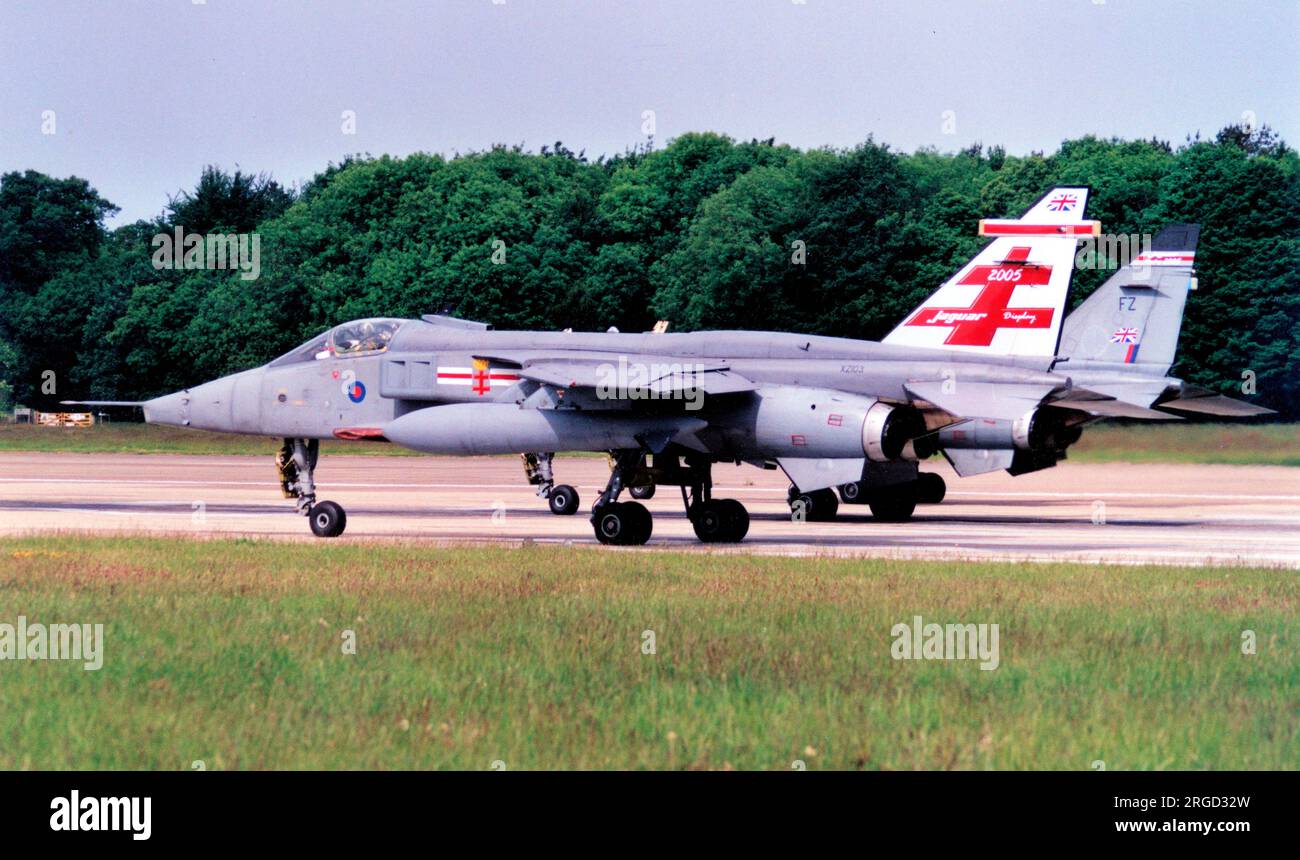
column 356, row 392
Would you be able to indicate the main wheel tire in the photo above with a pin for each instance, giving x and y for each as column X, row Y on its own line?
column 642, row 523
column 930, row 488
column 563, row 500
column 829, row 504
column 327, row 519
column 894, row 504
column 610, row 524
column 644, row 492
column 819, row 506
column 851, row 493
column 709, row 519
column 736, row 520
column 623, row 524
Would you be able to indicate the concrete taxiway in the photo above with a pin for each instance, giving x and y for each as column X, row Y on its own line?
column 1172, row 514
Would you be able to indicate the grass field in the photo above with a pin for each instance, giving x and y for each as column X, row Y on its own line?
column 230, row 653
column 158, row 439
column 1241, row 444
column 1263, row 444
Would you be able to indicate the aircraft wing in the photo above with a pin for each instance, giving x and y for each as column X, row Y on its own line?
column 651, row 373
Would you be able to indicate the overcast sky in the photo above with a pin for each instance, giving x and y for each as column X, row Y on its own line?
column 145, row 93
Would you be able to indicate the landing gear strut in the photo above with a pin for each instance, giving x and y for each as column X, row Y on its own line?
column 562, row 498
column 621, row 523
column 296, row 464
column 714, row 520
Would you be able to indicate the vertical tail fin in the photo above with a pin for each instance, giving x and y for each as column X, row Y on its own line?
column 1009, row 300
column 1134, row 318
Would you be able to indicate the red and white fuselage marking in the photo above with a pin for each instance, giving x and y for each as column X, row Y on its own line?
column 480, row 380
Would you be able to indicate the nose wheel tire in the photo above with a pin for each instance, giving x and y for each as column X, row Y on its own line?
column 623, row 524
column 327, row 519
column 563, row 500
column 851, row 493
column 645, row 492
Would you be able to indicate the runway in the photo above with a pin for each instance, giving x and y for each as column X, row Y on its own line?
column 1169, row 514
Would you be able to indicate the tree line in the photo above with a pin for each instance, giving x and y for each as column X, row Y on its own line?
column 706, row 232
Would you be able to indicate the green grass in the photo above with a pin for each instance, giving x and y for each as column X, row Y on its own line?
column 1177, row 442
column 123, row 438
column 228, row 652
column 1261, row 444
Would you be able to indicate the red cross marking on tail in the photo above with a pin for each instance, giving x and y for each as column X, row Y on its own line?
column 976, row 324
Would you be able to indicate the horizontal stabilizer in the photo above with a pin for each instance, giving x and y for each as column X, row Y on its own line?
column 1193, row 398
column 977, row 461
column 1116, row 402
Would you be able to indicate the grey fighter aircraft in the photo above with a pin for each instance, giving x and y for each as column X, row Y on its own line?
column 985, row 372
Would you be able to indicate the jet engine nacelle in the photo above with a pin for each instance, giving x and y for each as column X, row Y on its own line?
column 1036, row 430
column 1044, row 430
column 889, row 431
column 809, row 422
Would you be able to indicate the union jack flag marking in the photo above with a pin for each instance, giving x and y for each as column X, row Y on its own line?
column 1124, row 335
column 1062, row 202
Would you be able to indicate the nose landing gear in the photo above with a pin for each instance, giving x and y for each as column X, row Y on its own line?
column 328, row 519
column 296, row 464
column 562, row 498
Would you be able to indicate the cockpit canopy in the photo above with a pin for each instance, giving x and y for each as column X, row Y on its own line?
column 359, row 337
column 363, row 336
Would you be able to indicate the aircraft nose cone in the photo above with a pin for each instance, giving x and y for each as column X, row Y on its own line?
column 212, row 404
column 171, row 408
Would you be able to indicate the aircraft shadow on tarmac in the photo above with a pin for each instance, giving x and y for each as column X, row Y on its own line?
column 472, row 513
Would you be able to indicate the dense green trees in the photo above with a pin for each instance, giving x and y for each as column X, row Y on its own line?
column 707, row 232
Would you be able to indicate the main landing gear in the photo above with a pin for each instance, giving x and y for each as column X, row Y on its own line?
column 296, row 464
column 562, row 498
column 891, row 503
column 818, row 506
column 630, row 523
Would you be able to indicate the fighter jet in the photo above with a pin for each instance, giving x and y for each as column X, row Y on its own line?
column 985, row 372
